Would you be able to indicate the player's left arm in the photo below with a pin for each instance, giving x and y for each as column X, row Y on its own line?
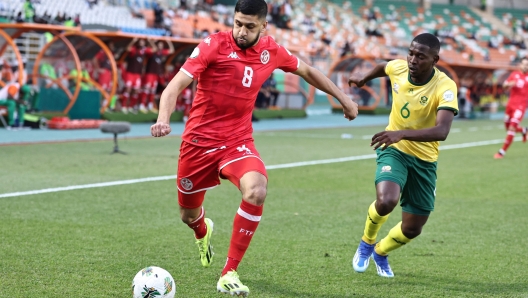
column 446, row 111
column 317, row 79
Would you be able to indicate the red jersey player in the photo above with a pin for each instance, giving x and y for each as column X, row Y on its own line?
column 136, row 56
column 153, row 75
column 217, row 141
column 103, row 67
column 518, row 82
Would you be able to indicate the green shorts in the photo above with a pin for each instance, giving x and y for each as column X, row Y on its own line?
column 417, row 179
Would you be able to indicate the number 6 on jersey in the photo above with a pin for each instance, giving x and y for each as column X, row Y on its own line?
column 248, row 76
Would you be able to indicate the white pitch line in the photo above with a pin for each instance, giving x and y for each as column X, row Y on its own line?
column 366, row 137
column 455, row 130
column 272, row 167
column 473, row 128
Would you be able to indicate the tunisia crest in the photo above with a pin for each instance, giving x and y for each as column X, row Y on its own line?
column 265, row 57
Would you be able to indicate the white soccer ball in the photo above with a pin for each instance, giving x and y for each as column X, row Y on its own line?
column 153, row 282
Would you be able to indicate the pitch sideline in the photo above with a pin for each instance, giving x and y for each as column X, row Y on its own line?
column 272, row 167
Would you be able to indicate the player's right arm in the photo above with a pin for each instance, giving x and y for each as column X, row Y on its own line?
column 199, row 60
column 168, row 102
column 360, row 79
column 131, row 44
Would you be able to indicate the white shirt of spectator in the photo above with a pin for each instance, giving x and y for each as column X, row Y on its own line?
column 4, row 94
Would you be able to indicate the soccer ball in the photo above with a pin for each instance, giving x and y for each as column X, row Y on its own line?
column 153, row 282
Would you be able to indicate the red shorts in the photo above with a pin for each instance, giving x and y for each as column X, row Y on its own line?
column 514, row 114
column 150, row 81
column 200, row 168
column 105, row 79
column 133, row 80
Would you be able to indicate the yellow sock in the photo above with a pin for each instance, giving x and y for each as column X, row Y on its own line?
column 395, row 239
column 373, row 224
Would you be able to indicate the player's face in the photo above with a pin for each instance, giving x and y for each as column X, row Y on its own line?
column 524, row 65
column 247, row 30
column 420, row 60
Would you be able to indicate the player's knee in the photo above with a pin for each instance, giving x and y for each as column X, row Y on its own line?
column 386, row 202
column 255, row 194
column 188, row 217
column 411, row 231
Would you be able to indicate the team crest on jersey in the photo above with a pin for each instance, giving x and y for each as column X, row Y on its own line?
column 395, row 87
column 424, row 100
column 186, row 183
column 265, row 57
column 386, row 169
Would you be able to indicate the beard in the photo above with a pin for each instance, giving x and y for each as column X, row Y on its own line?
column 248, row 44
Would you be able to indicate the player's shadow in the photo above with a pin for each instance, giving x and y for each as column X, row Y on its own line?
column 263, row 288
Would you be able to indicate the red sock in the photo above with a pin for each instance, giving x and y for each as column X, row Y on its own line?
column 125, row 100
column 143, row 97
column 134, row 100
column 199, row 227
column 244, row 226
column 508, row 141
column 151, row 98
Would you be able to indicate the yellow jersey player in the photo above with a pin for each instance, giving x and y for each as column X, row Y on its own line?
column 423, row 108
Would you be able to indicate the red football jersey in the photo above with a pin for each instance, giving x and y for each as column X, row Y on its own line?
column 519, row 91
column 135, row 59
column 229, row 80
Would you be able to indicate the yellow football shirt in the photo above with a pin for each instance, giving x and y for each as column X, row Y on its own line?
column 414, row 106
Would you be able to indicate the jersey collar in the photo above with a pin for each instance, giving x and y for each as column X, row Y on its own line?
column 424, row 83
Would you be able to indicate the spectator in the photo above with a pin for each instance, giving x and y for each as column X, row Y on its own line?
column 29, row 11
column 13, row 97
column 274, row 93
column 48, row 72
column 158, row 15
column 464, row 101
column 91, row 3
column 85, row 77
column 263, row 97
column 19, row 18
column 77, row 20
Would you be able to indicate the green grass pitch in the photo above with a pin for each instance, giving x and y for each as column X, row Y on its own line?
column 91, row 242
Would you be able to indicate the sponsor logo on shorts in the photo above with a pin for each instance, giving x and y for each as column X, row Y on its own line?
column 386, row 169
column 186, row 183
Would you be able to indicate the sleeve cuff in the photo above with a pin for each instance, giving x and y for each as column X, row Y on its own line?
column 187, row 73
column 455, row 111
